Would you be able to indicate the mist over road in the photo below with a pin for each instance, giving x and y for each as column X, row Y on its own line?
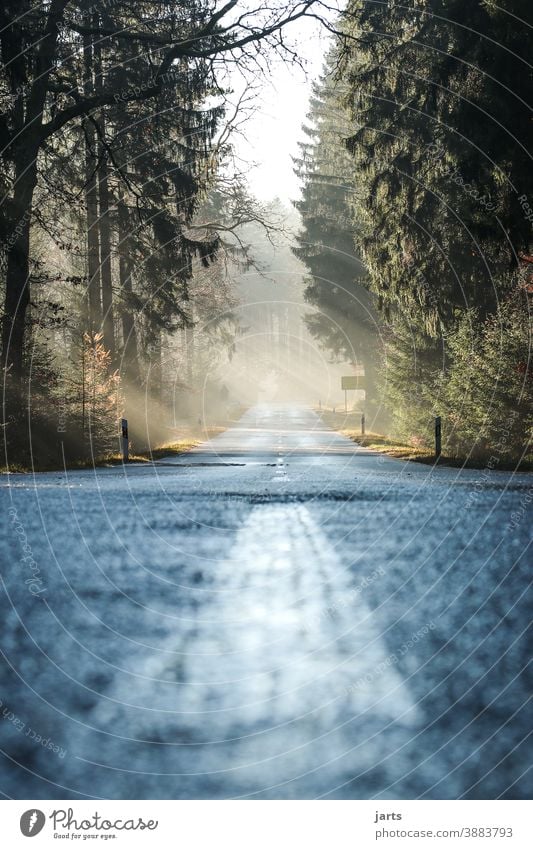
column 276, row 614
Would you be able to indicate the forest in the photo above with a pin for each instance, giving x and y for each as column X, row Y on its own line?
column 125, row 216
column 418, row 193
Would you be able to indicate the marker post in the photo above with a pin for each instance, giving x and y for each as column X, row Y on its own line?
column 125, row 441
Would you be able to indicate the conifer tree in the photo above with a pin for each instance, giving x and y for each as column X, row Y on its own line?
column 345, row 321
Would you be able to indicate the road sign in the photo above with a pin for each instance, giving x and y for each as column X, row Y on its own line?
column 352, row 381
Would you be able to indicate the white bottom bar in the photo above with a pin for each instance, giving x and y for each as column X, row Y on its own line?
column 269, row 824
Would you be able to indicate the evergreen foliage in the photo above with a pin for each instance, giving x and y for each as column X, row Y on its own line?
column 437, row 124
column 345, row 322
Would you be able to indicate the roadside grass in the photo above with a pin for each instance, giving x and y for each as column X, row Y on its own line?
column 172, row 448
column 349, row 424
column 166, row 449
column 390, row 447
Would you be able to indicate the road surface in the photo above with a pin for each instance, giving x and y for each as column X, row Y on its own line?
column 277, row 614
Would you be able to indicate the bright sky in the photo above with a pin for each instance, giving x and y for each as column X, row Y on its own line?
column 273, row 131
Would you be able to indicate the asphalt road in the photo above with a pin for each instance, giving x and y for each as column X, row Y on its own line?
column 277, row 614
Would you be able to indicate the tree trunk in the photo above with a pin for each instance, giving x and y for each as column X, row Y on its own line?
column 105, row 255
column 156, row 369
column 94, row 303
column 23, row 152
column 17, row 294
column 104, row 220
column 130, row 355
column 189, row 347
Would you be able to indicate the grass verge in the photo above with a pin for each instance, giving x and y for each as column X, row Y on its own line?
column 349, row 424
column 390, row 447
column 167, row 449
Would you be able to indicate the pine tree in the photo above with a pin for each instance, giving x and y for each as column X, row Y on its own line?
column 345, row 321
column 437, row 92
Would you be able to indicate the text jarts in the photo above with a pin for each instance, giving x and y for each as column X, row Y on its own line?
column 380, row 817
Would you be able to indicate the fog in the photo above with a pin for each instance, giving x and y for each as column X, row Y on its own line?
column 272, row 356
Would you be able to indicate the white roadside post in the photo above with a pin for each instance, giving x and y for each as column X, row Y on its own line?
column 125, row 441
